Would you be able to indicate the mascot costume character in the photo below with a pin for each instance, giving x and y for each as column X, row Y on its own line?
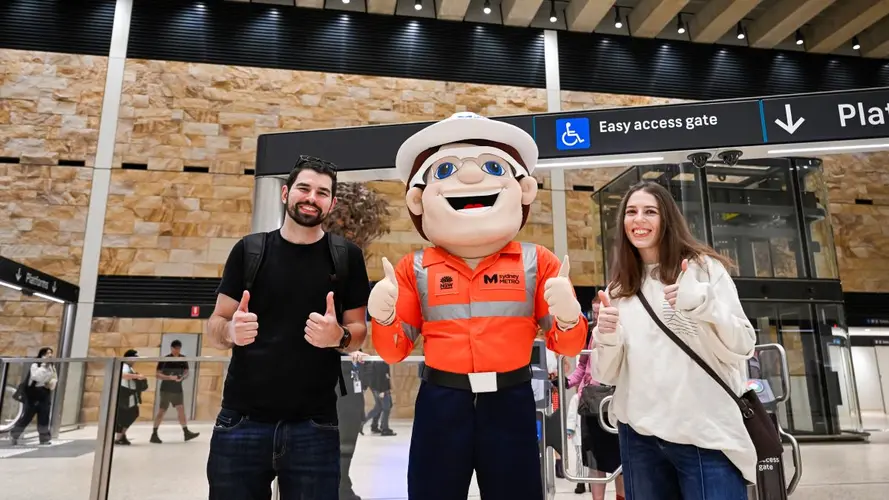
column 478, row 298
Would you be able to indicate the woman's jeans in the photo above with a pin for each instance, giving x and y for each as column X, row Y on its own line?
column 654, row 469
column 39, row 405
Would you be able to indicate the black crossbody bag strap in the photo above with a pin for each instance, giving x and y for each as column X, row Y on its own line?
column 688, row 350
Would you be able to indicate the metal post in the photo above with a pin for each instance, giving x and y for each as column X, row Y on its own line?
column 66, row 334
column 268, row 211
column 105, row 435
column 4, row 368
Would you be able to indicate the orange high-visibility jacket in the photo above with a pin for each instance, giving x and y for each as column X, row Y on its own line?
column 482, row 320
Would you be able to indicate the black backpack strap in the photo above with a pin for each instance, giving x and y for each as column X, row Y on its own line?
column 339, row 253
column 254, row 251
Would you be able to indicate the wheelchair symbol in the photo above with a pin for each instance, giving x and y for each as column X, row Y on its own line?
column 570, row 137
column 573, row 133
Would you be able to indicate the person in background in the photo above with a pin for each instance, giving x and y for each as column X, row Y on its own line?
column 128, row 399
column 381, row 389
column 41, row 380
column 600, row 449
column 350, row 410
column 681, row 434
column 171, row 374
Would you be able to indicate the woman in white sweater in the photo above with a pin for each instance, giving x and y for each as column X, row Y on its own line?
column 681, row 435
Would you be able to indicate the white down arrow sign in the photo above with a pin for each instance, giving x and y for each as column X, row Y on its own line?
column 790, row 126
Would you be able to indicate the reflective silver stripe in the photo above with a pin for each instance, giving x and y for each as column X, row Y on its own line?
column 480, row 309
column 410, row 332
column 529, row 259
column 422, row 281
column 546, row 322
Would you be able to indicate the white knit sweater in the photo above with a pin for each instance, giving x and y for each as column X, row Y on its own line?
column 662, row 392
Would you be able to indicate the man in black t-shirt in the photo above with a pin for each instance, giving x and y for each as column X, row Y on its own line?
column 171, row 374
column 279, row 407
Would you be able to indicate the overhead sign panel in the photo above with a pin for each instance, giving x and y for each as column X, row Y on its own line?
column 32, row 280
column 827, row 117
column 811, row 118
column 650, row 128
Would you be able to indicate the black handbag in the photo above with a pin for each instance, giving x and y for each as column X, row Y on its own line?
column 759, row 424
column 591, row 398
column 20, row 393
column 141, row 385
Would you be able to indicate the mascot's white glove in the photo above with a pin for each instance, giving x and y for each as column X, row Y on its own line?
column 384, row 296
column 559, row 295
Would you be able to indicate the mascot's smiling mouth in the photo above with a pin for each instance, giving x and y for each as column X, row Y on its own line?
column 470, row 203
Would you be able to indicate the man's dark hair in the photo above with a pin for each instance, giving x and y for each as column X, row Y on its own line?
column 176, row 343
column 318, row 165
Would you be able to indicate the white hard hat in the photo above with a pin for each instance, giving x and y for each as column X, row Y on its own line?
column 462, row 127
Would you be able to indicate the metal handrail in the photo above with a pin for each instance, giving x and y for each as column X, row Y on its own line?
column 785, row 395
column 564, row 432
column 602, row 423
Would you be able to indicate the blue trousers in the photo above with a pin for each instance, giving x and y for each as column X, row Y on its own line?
column 456, row 431
column 655, row 469
column 245, row 456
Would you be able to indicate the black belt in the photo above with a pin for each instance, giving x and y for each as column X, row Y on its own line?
column 461, row 380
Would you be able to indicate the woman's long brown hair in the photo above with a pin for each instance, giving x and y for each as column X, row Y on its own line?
column 675, row 244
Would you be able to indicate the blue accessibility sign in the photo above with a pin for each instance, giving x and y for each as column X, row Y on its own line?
column 572, row 133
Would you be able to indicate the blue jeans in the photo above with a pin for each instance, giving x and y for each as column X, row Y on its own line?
column 246, row 456
column 654, row 469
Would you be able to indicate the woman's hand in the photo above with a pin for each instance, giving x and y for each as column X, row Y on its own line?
column 608, row 315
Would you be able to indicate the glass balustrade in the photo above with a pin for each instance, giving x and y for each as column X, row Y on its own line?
column 63, row 468
column 87, row 459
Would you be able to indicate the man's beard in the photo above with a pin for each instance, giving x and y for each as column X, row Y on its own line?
column 304, row 219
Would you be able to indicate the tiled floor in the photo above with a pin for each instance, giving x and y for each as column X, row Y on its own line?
column 176, row 470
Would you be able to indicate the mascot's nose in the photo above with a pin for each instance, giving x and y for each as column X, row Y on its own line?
column 470, row 173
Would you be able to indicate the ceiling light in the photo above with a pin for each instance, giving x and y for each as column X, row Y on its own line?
column 598, row 163
column 680, row 26
column 47, row 297
column 617, row 22
column 346, row 1
column 855, row 44
column 820, row 149
column 552, row 13
column 741, row 34
column 799, row 37
column 10, row 285
column 418, row 4
column 487, row 7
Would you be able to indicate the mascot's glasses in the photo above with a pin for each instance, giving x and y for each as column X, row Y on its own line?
column 446, row 162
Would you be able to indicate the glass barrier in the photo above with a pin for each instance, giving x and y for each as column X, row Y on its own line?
column 375, row 426
column 44, row 457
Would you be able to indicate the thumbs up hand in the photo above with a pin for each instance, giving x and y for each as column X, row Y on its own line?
column 559, row 295
column 384, row 296
column 671, row 292
column 324, row 330
column 244, row 326
column 608, row 315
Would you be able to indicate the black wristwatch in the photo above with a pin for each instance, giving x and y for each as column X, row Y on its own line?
column 346, row 340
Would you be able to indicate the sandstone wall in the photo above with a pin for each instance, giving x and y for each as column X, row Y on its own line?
column 861, row 232
column 113, row 336
column 49, row 112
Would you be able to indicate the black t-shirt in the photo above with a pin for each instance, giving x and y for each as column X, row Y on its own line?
column 280, row 376
column 177, row 368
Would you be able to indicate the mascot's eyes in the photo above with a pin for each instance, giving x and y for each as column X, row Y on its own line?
column 493, row 168
column 445, row 170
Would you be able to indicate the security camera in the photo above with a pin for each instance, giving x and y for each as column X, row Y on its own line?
column 699, row 159
column 730, row 157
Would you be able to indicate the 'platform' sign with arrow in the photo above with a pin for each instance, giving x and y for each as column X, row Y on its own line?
column 827, row 117
column 789, row 125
